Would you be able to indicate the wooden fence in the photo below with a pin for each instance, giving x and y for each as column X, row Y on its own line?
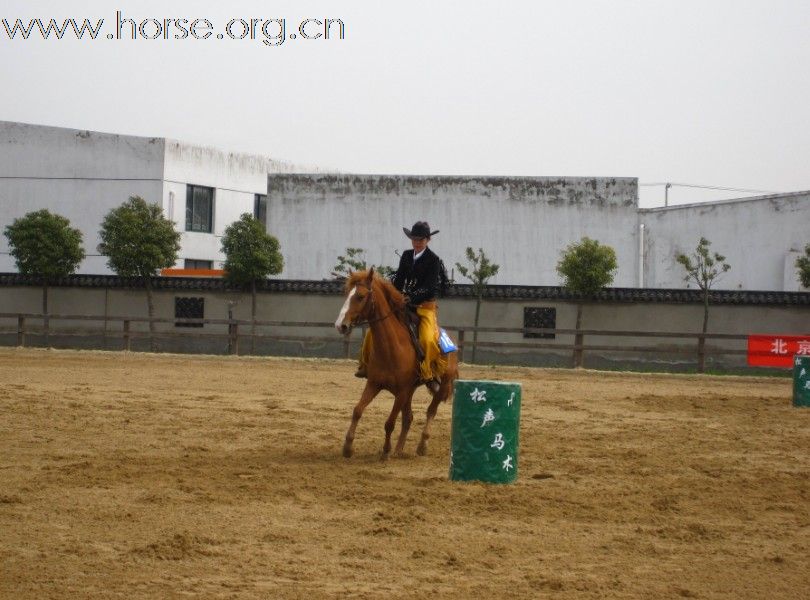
column 235, row 331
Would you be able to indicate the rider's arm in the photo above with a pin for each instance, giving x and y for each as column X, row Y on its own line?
column 398, row 279
column 429, row 284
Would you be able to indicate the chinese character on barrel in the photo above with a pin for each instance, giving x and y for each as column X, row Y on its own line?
column 484, row 435
column 801, row 380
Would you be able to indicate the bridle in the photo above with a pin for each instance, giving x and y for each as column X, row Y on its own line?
column 370, row 296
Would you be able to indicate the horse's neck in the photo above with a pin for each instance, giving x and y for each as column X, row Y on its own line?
column 386, row 325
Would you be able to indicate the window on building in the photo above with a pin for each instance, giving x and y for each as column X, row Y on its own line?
column 189, row 308
column 199, row 208
column 193, row 263
column 260, row 208
column 539, row 316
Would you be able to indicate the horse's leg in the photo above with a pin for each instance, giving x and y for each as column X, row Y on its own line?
column 369, row 392
column 400, row 399
column 407, row 419
column 433, row 407
column 445, row 389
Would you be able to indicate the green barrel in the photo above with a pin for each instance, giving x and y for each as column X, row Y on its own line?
column 484, row 436
column 801, row 380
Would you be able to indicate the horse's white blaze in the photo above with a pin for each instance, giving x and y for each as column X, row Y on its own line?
column 344, row 310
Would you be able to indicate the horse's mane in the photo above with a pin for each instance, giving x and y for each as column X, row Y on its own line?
column 392, row 294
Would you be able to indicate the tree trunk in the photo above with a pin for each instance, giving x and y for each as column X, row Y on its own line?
column 46, row 322
column 151, row 310
column 230, row 328
column 705, row 312
column 578, row 338
column 475, row 333
column 702, row 338
column 253, row 318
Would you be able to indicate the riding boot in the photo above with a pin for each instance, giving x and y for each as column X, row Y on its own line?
column 433, row 385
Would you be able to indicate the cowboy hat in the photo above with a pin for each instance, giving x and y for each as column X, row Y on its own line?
column 419, row 230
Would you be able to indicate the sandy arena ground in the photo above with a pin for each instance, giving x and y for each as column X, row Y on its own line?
column 165, row 476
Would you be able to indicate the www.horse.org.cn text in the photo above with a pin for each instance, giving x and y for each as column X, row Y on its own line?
column 270, row 32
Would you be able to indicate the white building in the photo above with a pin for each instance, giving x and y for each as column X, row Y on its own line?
column 524, row 223
column 81, row 175
column 760, row 237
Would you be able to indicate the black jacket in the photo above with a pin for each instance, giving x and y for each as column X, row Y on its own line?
column 420, row 281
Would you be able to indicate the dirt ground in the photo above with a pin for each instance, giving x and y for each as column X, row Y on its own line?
column 166, row 476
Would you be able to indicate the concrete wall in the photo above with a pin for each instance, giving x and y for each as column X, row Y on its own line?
column 80, row 175
column 760, row 238
column 522, row 223
column 643, row 317
column 453, row 313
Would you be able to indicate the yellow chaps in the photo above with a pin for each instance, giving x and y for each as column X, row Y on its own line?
column 435, row 363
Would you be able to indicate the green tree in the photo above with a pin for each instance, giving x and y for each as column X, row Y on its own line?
column 45, row 245
column 479, row 271
column 355, row 260
column 251, row 254
column 703, row 268
column 803, row 267
column 138, row 241
column 586, row 267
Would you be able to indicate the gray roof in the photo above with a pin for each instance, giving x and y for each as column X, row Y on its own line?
column 505, row 292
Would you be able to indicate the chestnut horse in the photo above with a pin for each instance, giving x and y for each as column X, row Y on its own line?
column 393, row 364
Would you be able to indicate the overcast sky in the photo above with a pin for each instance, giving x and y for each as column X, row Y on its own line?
column 704, row 92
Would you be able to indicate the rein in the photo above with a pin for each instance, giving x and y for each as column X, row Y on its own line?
column 377, row 319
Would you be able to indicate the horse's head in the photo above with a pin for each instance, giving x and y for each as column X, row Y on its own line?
column 359, row 301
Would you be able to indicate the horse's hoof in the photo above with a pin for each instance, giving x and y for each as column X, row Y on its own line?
column 383, row 456
column 399, row 455
column 347, row 451
column 421, row 449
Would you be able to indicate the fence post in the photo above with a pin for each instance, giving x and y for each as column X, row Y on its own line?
column 46, row 329
column 460, row 345
column 21, row 330
column 347, row 352
column 233, row 338
column 127, row 339
column 701, row 352
column 253, row 335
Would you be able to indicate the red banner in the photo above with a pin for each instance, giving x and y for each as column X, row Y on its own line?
column 776, row 350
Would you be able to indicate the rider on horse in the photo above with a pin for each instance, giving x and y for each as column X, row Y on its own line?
column 419, row 278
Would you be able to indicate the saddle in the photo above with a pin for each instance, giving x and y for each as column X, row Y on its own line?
column 412, row 321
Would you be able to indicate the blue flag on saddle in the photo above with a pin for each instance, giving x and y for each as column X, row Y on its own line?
column 446, row 344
